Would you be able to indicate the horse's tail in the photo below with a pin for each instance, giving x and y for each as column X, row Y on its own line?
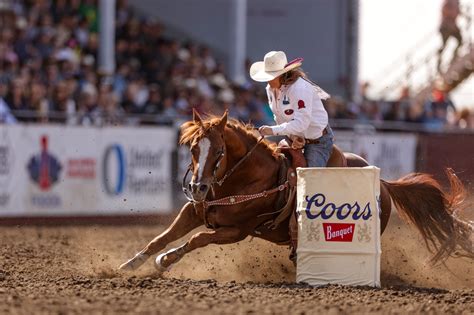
column 420, row 200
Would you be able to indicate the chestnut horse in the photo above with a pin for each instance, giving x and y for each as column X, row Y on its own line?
column 236, row 188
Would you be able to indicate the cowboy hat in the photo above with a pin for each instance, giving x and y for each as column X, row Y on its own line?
column 273, row 65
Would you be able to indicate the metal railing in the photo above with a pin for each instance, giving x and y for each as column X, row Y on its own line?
column 101, row 120
column 94, row 119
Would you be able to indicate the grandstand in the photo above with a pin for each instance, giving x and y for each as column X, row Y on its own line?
column 50, row 72
column 94, row 96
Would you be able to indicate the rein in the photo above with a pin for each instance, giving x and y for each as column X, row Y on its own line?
column 229, row 172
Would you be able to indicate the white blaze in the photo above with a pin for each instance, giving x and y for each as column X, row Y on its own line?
column 204, row 146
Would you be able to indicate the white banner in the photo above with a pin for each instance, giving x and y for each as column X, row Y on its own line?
column 338, row 226
column 59, row 170
column 393, row 153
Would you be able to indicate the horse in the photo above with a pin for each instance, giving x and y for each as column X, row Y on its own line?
column 237, row 185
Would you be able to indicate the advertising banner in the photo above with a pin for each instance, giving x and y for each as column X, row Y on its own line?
column 338, row 226
column 393, row 153
column 58, row 170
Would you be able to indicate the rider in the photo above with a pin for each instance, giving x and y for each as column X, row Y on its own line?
column 296, row 105
column 299, row 113
column 449, row 14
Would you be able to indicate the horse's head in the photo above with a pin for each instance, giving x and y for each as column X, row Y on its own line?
column 207, row 145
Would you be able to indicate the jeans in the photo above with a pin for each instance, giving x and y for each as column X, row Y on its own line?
column 317, row 154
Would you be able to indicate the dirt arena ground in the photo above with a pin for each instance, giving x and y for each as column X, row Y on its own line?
column 72, row 270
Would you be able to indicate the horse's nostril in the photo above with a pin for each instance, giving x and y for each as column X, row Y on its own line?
column 203, row 188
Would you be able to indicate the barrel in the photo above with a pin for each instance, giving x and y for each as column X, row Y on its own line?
column 338, row 211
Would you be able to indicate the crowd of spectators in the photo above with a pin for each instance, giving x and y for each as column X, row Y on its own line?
column 435, row 112
column 49, row 73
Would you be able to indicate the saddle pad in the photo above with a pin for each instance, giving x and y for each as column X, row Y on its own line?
column 338, row 226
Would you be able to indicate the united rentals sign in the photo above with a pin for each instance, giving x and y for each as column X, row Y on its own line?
column 78, row 171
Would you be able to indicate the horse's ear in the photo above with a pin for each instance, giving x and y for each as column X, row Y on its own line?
column 196, row 117
column 223, row 121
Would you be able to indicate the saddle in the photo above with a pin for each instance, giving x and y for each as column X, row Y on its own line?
column 337, row 158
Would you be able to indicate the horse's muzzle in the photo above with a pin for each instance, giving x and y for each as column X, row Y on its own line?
column 199, row 190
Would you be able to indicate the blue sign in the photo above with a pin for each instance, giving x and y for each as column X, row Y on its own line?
column 318, row 207
column 117, row 187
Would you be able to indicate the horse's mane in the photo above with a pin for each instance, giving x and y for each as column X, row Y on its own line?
column 191, row 131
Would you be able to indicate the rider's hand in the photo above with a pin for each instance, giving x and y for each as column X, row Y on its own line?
column 297, row 142
column 265, row 131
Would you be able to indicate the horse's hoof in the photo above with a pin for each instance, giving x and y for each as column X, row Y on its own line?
column 159, row 263
column 134, row 263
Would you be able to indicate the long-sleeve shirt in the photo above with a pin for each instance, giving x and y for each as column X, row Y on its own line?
column 298, row 110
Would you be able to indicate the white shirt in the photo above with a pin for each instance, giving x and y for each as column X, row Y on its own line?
column 298, row 110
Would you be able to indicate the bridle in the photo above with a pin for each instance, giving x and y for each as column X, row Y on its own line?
column 220, row 182
column 283, row 213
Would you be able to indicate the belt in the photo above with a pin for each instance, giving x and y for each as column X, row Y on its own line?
column 316, row 141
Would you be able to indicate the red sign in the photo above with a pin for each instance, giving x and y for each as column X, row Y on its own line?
column 338, row 232
column 81, row 168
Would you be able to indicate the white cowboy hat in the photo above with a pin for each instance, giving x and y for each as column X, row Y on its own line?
column 273, row 65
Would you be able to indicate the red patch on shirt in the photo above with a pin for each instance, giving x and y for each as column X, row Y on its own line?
column 301, row 104
column 289, row 111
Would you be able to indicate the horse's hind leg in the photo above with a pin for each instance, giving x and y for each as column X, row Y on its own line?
column 186, row 221
column 223, row 235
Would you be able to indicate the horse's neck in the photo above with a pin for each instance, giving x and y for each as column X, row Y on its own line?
column 238, row 145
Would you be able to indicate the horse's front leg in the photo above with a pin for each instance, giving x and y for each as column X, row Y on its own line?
column 186, row 221
column 223, row 235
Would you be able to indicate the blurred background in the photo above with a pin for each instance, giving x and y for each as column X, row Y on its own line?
column 92, row 92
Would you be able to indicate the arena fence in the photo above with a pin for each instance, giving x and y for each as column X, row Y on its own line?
column 48, row 170
column 56, row 171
